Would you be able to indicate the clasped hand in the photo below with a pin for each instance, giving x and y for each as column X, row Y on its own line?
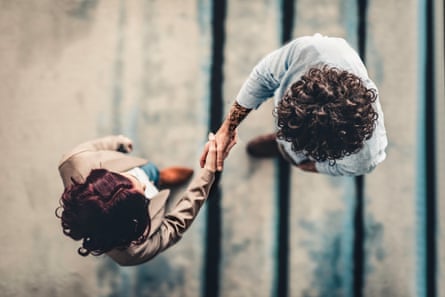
column 223, row 143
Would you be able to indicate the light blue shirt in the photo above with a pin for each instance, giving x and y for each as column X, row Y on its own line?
column 276, row 72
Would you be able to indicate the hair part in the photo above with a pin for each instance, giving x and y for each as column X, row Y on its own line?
column 327, row 114
column 104, row 212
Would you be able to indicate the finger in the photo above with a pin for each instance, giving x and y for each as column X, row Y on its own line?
column 212, row 145
column 228, row 150
column 219, row 153
column 235, row 134
column 226, row 153
column 219, row 159
column 211, row 156
column 203, row 158
column 130, row 147
column 211, row 136
column 232, row 144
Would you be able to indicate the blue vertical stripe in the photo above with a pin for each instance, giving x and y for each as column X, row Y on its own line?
column 212, row 257
column 421, row 155
column 283, row 172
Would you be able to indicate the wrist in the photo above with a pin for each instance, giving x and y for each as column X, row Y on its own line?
column 226, row 128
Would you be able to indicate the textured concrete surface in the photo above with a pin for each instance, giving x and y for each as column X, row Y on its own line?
column 74, row 70
column 391, row 221
column 248, row 206
column 321, row 206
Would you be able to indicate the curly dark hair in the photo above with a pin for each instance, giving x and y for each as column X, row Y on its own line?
column 327, row 114
column 105, row 212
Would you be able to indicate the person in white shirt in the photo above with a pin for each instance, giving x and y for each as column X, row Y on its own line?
column 327, row 109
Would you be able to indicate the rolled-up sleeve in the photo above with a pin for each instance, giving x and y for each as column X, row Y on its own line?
column 266, row 76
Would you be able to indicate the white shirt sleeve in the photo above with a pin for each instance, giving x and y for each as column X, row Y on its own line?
column 150, row 188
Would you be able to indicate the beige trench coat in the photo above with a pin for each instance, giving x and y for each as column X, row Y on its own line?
column 167, row 226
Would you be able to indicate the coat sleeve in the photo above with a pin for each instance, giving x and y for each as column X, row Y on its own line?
column 99, row 153
column 175, row 223
column 109, row 143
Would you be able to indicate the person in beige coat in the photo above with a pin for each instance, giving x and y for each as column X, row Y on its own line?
column 113, row 208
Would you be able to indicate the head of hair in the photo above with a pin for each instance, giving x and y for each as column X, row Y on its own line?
column 104, row 212
column 327, row 114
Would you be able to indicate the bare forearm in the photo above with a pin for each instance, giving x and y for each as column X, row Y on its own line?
column 226, row 135
column 236, row 115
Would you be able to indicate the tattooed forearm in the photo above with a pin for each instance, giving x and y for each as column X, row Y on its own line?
column 236, row 115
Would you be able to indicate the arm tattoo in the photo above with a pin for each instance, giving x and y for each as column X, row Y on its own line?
column 236, row 115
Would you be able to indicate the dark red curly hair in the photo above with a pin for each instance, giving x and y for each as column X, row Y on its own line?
column 105, row 212
column 327, row 114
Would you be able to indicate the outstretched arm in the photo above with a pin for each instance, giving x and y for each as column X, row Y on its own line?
column 261, row 84
column 110, row 143
column 236, row 115
column 177, row 221
column 226, row 135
